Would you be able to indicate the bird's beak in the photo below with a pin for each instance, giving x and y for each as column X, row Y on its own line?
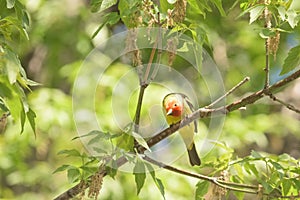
column 170, row 111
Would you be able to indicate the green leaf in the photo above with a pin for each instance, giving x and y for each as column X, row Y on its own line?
column 22, row 120
column 292, row 18
column 91, row 133
column 71, row 152
column 195, row 7
column 255, row 154
column 31, row 118
column 282, row 12
column 107, row 4
column 125, row 141
column 141, row 141
column 95, row 5
column 99, row 150
column 291, row 61
column 286, row 186
column 255, row 13
column 10, row 98
column 73, row 175
column 12, row 66
column 139, row 174
column 276, row 165
column 13, row 21
column 288, row 4
column 201, row 189
column 297, row 184
column 157, row 181
column 61, row 168
column 160, row 187
column 10, row 4
column 111, row 18
column 251, row 169
column 218, row 4
column 266, row 33
column 111, row 171
column 184, row 48
column 268, row 188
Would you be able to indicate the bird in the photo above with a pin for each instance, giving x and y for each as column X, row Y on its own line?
column 176, row 106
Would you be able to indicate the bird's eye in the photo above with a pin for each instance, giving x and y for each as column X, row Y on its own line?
column 175, row 105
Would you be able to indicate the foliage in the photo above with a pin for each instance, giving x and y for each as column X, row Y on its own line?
column 256, row 153
column 14, row 20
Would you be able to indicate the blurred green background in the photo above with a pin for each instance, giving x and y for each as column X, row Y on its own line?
column 60, row 39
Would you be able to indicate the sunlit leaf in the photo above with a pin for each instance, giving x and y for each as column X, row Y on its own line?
column 276, row 165
column 73, row 175
column 218, row 4
column 292, row 18
column 251, row 169
column 297, row 184
column 292, row 60
column 107, row 4
column 266, row 33
column 268, row 188
column 255, row 13
column 22, row 120
column 201, row 189
column 286, row 186
column 111, row 19
column 196, row 8
column 184, row 48
column 12, row 66
column 71, row 152
column 281, row 12
column 31, row 118
column 157, row 181
column 160, row 187
column 91, row 133
column 95, row 5
column 99, row 150
column 255, row 154
column 10, row 4
column 141, row 141
column 111, row 171
column 139, row 175
column 10, row 98
column 62, row 168
column 16, row 23
column 125, row 141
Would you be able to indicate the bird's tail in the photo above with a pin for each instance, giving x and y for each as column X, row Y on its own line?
column 193, row 156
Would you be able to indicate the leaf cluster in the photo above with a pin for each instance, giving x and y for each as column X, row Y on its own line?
column 14, row 20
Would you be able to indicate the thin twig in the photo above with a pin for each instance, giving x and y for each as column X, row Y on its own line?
column 150, row 60
column 268, row 25
column 143, row 86
column 229, row 92
column 138, row 108
column 159, row 49
column 287, row 105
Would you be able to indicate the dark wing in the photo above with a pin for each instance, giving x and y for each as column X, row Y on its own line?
column 189, row 103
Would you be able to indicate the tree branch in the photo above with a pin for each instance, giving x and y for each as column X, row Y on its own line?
column 267, row 16
column 227, row 185
column 287, row 105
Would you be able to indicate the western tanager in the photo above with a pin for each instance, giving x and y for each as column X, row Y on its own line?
column 176, row 106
